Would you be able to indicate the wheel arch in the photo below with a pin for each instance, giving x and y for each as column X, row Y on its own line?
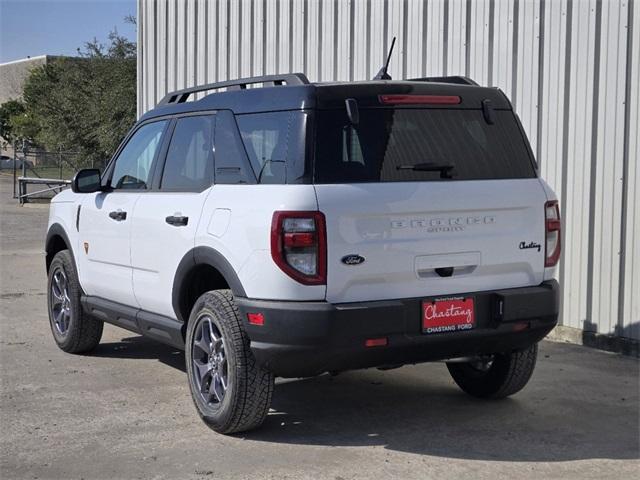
column 200, row 270
column 56, row 241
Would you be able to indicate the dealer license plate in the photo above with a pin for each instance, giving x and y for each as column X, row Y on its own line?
column 448, row 315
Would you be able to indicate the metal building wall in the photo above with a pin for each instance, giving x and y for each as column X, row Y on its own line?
column 571, row 68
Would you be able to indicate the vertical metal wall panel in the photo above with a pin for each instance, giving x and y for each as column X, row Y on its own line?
column 395, row 28
column 414, row 45
column 503, row 46
column 479, row 30
column 434, row 36
column 552, row 98
column 571, row 68
column 631, row 272
column 525, row 65
column 312, row 39
column 378, row 36
column 609, row 162
column 578, row 137
column 456, row 36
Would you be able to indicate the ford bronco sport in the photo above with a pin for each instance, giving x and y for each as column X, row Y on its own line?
column 278, row 227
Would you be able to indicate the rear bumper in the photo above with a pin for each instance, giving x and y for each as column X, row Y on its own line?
column 301, row 339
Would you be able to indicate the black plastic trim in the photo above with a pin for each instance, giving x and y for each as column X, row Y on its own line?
column 57, row 230
column 202, row 256
column 158, row 327
column 301, row 339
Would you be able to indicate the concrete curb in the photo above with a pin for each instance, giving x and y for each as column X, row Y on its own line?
column 609, row 343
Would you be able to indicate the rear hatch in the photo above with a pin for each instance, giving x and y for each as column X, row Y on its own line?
column 424, row 200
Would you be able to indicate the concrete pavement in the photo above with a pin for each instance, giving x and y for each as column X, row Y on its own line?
column 125, row 411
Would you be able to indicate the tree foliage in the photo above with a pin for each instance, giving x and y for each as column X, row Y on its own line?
column 85, row 104
column 9, row 112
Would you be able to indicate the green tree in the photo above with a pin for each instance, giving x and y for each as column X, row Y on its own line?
column 85, row 104
column 9, row 112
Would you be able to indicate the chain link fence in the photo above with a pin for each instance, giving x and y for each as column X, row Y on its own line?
column 40, row 174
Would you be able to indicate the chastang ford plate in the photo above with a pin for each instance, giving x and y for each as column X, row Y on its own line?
column 448, row 315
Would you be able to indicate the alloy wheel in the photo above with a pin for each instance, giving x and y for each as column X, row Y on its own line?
column 209, row 361
column 60, row 302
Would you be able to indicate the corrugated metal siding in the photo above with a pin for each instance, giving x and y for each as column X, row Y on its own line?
column 571, row 68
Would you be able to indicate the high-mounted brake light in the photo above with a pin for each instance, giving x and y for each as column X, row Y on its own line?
column 420, row 99
column 552, row 233
column 299, row 246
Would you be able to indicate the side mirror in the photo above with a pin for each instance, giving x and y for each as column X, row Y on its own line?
column 86, row 180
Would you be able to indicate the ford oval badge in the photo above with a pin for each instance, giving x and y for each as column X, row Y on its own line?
column 352, row 259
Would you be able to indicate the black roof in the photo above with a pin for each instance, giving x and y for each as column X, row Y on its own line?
column 299, row 94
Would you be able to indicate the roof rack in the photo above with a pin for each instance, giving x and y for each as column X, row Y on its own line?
column 181, row 96
column 455, row 79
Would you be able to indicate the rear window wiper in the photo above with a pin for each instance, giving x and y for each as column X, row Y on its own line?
column 445, row 169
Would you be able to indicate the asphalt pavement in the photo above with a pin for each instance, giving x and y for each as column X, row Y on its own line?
column 124, row 411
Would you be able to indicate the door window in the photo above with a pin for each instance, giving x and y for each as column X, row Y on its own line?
column 132, row 169
column 189, row 164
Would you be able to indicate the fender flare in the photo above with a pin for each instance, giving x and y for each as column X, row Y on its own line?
column 57, row 230
column 203, row 256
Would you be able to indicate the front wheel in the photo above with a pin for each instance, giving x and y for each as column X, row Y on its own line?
column 73, row 330
column 231, row 392
column 497, row 376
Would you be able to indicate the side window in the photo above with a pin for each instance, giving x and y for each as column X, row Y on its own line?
column 266, row 140
column 351, row 150
column 232, row 165
column 132, row 169
column 189, row 163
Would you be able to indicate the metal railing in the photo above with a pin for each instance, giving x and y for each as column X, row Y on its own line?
column 52, row 170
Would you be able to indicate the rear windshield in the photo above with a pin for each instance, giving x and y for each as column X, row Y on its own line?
column 403, row 145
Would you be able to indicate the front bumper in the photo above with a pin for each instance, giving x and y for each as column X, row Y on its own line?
column 300, row 339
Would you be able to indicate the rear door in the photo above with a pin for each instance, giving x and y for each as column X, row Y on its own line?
column 164, row 223
column 435, row 201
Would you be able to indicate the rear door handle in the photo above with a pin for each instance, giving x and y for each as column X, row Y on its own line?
column 118, row 215
column 178, row 221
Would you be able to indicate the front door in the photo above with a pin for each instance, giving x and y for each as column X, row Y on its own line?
column 104, row 223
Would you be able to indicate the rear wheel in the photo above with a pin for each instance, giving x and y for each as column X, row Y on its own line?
column 232, row 393
column 73, row 330
column 497, row 376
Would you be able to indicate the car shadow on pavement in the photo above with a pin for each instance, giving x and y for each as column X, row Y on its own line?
column 141, row 347
column 430, row 416
column 418, row 409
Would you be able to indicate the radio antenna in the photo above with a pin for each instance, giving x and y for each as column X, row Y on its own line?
column 382, row 74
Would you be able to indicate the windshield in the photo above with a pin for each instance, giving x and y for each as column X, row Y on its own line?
column 400, row 145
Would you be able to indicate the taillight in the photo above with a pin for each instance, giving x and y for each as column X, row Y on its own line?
column 299, row 246
column 552, row 233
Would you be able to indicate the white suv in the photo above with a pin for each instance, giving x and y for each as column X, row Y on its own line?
column 291, row 229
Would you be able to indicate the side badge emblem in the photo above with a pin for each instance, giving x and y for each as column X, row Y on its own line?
column 86, row 247
column 352, row 259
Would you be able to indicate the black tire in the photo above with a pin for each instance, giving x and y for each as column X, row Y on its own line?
column 507, row 374
column 75, row 331
column 246, row 399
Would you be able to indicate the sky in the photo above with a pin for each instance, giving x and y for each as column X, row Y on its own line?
column 59, row 27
